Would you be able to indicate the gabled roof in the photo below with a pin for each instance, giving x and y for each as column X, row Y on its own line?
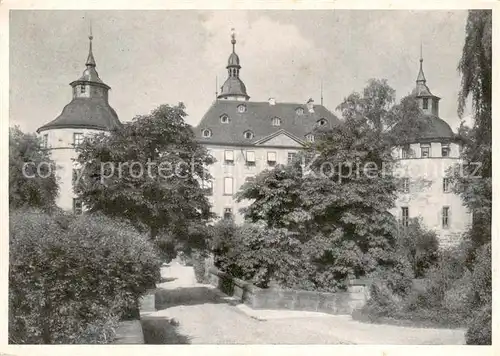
column 85, row 113
column 257, row 118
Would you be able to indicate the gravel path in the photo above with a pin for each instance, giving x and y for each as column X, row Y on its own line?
column 206, row 318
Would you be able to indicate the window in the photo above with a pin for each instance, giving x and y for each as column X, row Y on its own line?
column 425, row 151
column 82, row 89
column 45, row 141
column 206, row 133
column 406, row 185
column 322, row 122
column 446, row 185
column 405, row 216
column 228, row 213
column 445, row 150
column 276, row 121
column 406, row 152
column 248, row 135
column 77, row 206
column 229, row 157
column 425, row 104
column 224, row 119
column 291, row 157
column 208, row 187
column 250, row 158
column 299, row 111
column 242, row 108
column 310, row 138
column 446, row 217
column 250, row 179
column 228, row 186
column 77, row 139
column 271, row 158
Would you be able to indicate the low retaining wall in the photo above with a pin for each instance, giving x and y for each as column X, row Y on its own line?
column 340, row 303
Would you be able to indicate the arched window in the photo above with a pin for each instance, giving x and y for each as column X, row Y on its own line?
column 242, row 108
column 248, row 135
column 299, row 111
column 276, row 121
column 310, row 138
column 224, row 119
column 206, row 133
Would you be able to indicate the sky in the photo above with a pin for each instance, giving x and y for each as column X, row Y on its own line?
column 156, row 57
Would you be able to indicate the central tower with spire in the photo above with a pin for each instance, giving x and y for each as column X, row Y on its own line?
column 233, row 88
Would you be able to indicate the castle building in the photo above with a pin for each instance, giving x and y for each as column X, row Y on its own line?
column 88, row 112
column 424, row 164
column 246, row 137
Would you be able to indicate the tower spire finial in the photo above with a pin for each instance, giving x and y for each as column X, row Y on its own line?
column 421, row 76
column 321, row 91
column 90, row 59
column 233, row 37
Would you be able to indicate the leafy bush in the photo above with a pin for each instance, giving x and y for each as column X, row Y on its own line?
column 420, row 246
column 257, row 254
column 72, row 279
column 479, row 330
column 198, row 259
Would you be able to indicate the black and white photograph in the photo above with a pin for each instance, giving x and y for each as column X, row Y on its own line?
column 234, row 176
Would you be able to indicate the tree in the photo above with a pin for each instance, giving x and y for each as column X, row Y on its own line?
column 148, row 172
column 473, row 181
column 339, row 201
column 474, row 178
column 32, row 178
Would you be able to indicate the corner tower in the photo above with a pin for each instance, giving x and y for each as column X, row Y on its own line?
column 233, row 88
column 87, row 113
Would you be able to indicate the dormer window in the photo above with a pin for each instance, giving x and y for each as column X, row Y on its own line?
column 224, row 119
column 299, row 111
column 276, row 121
column 248, row 135
column 242, row 108
column 322, row 122
column 206, row 133
column 310, row 138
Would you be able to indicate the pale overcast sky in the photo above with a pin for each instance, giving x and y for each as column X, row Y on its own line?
column 163, row 57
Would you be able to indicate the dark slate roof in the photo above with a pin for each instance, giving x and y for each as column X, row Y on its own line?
column 258, row 119
column 233, row 60
column 433, row 129
column 436, row 128
column 90, row 75
column 233, row 86
column 422, row 90
column 85, row 113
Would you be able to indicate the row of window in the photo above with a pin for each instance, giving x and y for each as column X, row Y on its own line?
column 77, row 139
column 445, row 216
column 275, row 121
column 207, row 133
column 241, row 109
column 250, row 157
column 446, row 185
column 425, row 151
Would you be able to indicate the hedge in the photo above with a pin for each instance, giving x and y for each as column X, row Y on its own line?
column 72, row 279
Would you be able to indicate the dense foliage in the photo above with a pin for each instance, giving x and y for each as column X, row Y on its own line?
column 335, row 199
column 475, row 185
column 71, row 279
column 148, row 172
column 37, row 186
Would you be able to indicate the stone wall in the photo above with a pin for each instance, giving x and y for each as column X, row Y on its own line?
column 341, row 303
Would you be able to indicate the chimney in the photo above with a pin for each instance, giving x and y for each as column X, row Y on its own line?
column 310, row 105
column 272, row 101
